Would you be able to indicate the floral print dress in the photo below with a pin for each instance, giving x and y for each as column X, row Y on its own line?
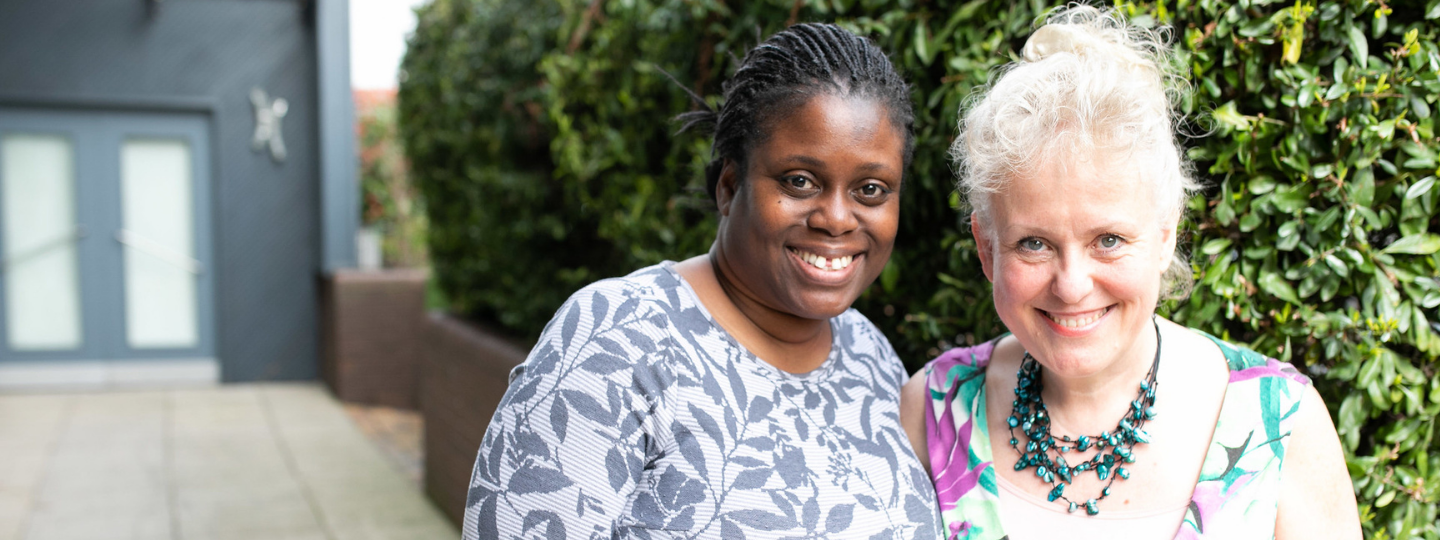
column 637, row 416
column 1239, row 487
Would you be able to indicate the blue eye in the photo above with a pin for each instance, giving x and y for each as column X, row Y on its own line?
column 1109, row 241
column 1032, row 244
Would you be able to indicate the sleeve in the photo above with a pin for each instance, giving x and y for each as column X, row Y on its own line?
column 567, row 444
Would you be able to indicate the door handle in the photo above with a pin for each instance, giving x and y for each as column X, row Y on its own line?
column 152, row 248
column 75, row 235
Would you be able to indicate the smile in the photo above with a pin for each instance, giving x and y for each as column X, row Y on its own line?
column 1077, row 320
column 832, row 264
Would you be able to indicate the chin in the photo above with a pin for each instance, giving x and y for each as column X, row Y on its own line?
column 822, row 306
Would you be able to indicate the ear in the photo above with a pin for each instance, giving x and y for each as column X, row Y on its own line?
column 1168, row 232
column 983, row 246
column 726, row 186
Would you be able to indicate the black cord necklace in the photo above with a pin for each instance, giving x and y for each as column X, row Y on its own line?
column 1032, row 419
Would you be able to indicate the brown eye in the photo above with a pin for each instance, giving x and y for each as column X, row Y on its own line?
column 798, row 182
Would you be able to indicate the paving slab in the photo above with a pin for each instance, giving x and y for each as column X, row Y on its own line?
column 265, row 461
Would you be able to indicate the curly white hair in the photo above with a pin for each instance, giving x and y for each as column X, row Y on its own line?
column 1089, row 84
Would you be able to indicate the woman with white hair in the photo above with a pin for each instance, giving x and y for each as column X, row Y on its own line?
column 1095, row 417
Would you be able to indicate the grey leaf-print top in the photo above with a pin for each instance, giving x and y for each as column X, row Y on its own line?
column 637, row 416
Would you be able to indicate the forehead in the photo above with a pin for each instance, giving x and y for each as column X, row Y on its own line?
column 1073, row 194
column 829, row 120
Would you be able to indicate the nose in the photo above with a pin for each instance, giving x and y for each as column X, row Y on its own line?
column 833, row 214
column 1074, row 280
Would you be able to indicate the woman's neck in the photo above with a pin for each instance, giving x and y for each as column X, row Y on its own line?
column 1093, row 403
column 790, row 343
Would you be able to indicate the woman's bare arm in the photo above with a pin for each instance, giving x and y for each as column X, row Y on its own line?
column 1317, row 499
column 912, row 415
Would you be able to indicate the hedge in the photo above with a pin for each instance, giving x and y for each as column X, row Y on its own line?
column 546, row 156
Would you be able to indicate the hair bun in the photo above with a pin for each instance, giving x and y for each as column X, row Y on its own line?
column 1051, row 39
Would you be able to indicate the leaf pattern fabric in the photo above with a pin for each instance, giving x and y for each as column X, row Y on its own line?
column 1238, row 491
column 637, row 416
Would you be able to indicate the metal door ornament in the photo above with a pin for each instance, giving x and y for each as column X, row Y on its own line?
column 268, row 114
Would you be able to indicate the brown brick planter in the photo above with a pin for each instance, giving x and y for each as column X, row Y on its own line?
column 374, row 324
column 464, row 375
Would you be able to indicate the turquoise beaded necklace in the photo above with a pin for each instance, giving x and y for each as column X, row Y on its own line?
column 1032, row 419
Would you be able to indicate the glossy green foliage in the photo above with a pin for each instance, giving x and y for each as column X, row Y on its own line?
column 1315, row 241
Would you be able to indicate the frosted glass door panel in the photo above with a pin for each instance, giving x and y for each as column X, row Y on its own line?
column 42, row 286
column 158, row 234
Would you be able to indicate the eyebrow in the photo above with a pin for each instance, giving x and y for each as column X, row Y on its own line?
column 814, row 162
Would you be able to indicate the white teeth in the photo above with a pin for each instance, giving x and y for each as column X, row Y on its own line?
column 837, row 263
column 1077, row 322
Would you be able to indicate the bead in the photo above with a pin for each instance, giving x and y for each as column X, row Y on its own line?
column 1064, row 473
column 1149, row 412
column 1014, row 441
column 1090, row 507
column 1082, row 467
column 1142, row 437
column 1103, row 471
column 1122, row 472
column 1125, row 425
column 1063, row 448
column 1073, row 506
column 1055, row 493
column 1020, row 465
column 1040, row 471
column 1130, row 458
column 1044, row 445
column 1050, row 478
column 1109, row 459
column 1105, row 492
column 1144, row 385
column 1013, row 421
column 1083, row 443
column 1135, row 405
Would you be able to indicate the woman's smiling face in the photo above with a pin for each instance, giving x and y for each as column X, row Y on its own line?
column 814, row 219
column 1076, row 255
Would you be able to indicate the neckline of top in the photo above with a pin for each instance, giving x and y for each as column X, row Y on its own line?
column 818, row 374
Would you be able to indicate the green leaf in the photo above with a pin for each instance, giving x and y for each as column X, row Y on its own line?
column 890, row 276
column 1215, row 245
column 1229, row 117
column 1359, row 46
column 1362, row 189
column 922, row 43
column 1432, row 10
column 1262, row 184
column 1420, row 188
column 1272, row 283
column 1337, row 265
column 1419, row 244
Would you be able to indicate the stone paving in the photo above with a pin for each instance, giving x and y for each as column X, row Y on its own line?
column 272, row 461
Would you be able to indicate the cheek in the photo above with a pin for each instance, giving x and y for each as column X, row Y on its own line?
column 1017, row 281
column 1134, row 280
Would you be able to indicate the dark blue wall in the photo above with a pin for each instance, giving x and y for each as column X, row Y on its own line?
column 205, row 56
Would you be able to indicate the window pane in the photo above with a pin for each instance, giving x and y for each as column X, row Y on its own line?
column 42, row 287
column 158, row 234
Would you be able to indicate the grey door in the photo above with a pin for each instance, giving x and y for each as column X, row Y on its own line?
column 105, row 238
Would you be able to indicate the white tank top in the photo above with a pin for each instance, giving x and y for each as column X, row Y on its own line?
column 1031, row 517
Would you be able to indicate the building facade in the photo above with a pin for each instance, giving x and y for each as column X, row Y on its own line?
column 177, row 181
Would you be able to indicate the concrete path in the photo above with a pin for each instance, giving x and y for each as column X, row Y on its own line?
column 273, row 462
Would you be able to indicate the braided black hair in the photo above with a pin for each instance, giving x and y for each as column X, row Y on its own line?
column 783, row 72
